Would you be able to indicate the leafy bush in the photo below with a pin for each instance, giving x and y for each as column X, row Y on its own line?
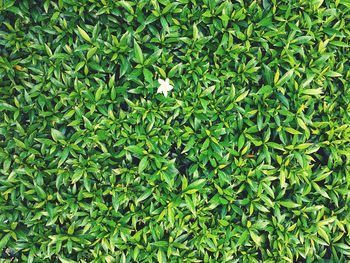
column 245, row 160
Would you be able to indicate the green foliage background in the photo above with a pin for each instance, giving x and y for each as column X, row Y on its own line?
column 247, row 160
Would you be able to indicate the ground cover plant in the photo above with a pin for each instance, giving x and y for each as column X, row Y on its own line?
column 240, row 155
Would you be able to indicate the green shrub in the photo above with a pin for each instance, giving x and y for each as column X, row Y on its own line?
column 245, row 160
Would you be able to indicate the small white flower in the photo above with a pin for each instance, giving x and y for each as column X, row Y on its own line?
column 164, row 87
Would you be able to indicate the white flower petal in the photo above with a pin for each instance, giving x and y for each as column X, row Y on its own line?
column 164, row 87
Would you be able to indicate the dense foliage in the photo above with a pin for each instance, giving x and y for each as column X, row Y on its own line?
column 245, row 160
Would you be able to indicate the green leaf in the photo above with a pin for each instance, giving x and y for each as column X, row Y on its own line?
column 243, row 238
column 161, row 257
column 143, row 164
column 138, row 53
column 256, row 238
column 208, row 91
column 77, row 175
column 333, row 74
column 195, row 186
column 242, row 96
column 4, row 241
column 292, row 130
column 57, row 135
column 323, row 234
column 317, row 3
column 289, row 204
column 195, row 31
column 175, row 70
column 84, row 35
column 71, row 229
column 6, row 106
column 40, row 191
column 98, row 93
column 144, row 196
column 127, row 6
column 342, row 246
column 320, row 190
column 314, row 92
column 91, row 52
column 302, row 40
column 268, row 74
column 135, row 149
column 287, row 76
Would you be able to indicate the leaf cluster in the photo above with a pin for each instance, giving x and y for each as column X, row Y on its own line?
column 246, row 160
